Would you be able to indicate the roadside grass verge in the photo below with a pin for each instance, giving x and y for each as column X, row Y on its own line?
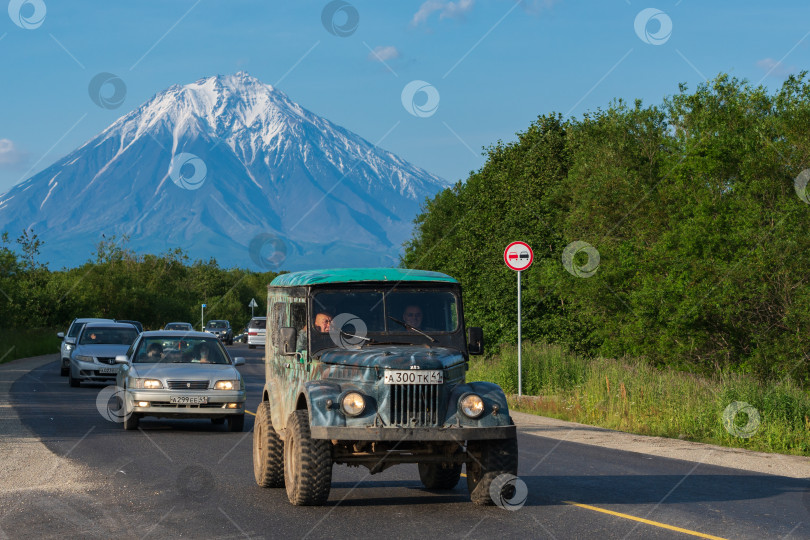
column 630, row 395
column 24, row 342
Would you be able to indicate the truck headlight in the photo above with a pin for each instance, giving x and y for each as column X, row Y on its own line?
column 148, row 384
column 226, row 385
column 471, row 405
column 353, row 404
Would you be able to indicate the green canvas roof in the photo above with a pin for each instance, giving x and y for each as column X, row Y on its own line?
column 347, row 275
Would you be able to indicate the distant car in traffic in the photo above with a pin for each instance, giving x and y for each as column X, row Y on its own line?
column 136, row 324
column 221, row 329
column 256, row 332
column 182, row 326
column 93, row 359
column 172, row 374
column 69, row 341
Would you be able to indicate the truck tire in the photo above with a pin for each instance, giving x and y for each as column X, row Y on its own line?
column 236, row 422
column 307, row 463
column 488, row 460
column 434, row 476
column 268, row 450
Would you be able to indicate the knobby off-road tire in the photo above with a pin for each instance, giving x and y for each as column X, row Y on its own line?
column 489, row 460
column 434, row 476
column 307, row 463
column 236, row 422
column 268, row 450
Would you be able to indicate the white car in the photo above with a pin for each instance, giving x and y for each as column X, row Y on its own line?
column 98, row 344
column 256, row 332
column 173, row 374
column 69, row 341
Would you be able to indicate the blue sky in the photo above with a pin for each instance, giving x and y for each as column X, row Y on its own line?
column 495, row 65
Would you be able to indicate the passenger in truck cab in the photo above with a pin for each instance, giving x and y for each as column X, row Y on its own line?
column 413, row 316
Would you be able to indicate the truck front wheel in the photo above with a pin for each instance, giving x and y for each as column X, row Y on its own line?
column 307, row 463
column 434, row 476
column 488, row 460
column 268, row 450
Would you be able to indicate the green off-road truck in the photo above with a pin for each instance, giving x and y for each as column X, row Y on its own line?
column 367, row 367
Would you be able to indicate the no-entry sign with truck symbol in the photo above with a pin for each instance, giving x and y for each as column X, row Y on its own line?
column 518, row 256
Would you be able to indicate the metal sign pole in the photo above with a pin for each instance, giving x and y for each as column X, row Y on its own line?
column 520, row 346
column 202, row 318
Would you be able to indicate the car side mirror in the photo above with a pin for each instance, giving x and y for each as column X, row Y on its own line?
column 70, row 340
column 239, row 361
column 60, row 335
column 475, row 340
column 121, row 359
column 289, row 337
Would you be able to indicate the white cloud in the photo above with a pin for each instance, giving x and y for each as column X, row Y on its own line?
column 446, row 9
column 534, row 7
column 10, row 155
column 775, row 69
column 384, row 53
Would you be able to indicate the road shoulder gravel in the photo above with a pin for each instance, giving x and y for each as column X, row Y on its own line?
column 709, row 454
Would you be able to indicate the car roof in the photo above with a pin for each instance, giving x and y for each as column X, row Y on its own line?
column 178, row 334
column 91, row 319
column 218, row 320
column 350, row 275
column 180, row 322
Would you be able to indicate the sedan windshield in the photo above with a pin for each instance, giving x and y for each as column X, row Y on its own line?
column 108, row 336
column 155, row 350
column 178, row 326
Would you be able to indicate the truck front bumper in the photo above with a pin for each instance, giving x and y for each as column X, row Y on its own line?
column 449, row 433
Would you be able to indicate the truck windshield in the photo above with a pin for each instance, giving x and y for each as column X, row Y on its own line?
column 394, row 312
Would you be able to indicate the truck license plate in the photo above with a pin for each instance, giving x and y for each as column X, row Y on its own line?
column 407, row 376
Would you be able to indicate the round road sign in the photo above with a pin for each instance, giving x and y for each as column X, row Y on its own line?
column 518, row 256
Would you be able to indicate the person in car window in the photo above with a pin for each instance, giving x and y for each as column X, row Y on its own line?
column 323, row 322
column 154, row 352
column 413, row 316
column 203, row 354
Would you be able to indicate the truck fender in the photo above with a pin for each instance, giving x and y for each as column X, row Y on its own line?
column 496, row 408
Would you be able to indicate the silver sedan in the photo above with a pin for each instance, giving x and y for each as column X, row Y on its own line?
column 174, row 374
column 98, row 344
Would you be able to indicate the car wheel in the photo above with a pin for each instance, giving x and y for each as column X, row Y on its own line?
column 74, row 383
column 307, row 463
column 131, row 421
column 236, row 422
column 268, row 450
column 64, row 369
column 434, row 476
column 488, row 460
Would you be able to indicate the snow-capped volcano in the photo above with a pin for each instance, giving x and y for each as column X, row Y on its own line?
column 230, row 168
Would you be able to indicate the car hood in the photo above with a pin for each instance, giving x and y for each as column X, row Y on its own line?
column 184, row 371
column 104, row 351
column 394, row 357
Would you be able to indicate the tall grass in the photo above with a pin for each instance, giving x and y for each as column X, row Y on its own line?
column 22, row 343
column 630, row 395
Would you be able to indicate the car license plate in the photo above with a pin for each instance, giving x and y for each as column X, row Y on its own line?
column 189, row 400
column 408, row 376
column 108, row 370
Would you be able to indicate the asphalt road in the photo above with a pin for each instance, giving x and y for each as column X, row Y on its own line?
column 190, row 478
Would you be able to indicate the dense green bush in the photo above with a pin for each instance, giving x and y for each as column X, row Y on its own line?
column 691, row 206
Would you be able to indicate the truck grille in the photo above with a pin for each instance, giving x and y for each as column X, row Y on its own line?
column 187, row 385
column 415, row 405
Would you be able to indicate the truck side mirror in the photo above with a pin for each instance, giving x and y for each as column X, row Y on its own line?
column 475, row 340
column 289, row 337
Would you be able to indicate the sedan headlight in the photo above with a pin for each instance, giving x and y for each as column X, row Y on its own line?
column 226, row 385
column 83, row 358
column 471, row 405
column 147, row 384
column 353, row 404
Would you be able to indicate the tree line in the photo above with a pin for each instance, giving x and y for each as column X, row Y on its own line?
column 675, row 232
column 120, row 284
